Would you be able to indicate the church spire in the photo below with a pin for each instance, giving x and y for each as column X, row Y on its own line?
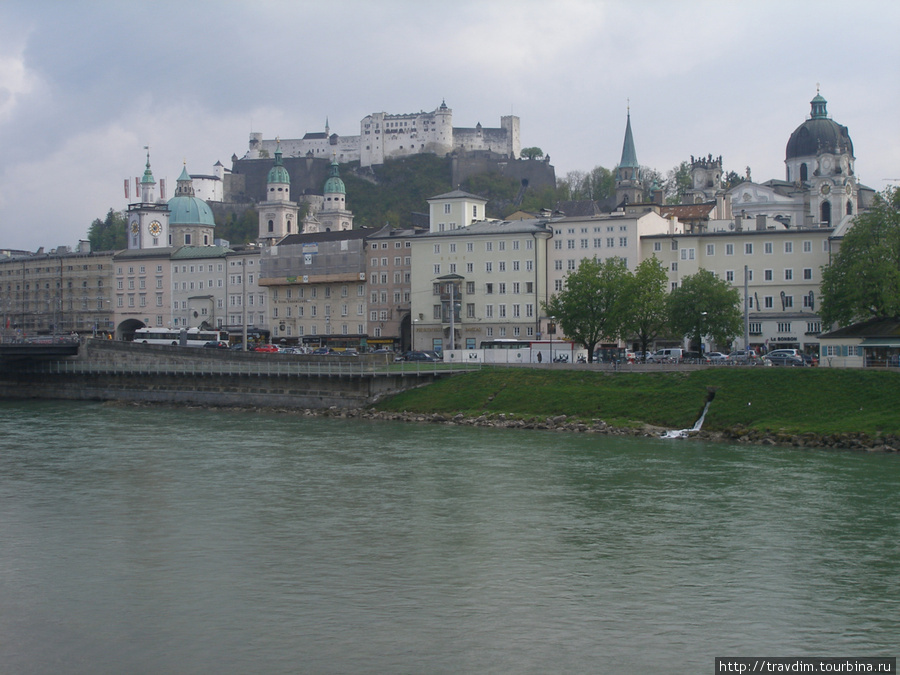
column 629, row 155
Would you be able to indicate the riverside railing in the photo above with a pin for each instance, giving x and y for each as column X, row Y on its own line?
column 326, row 367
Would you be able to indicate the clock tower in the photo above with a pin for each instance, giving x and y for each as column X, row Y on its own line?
column 148, row 219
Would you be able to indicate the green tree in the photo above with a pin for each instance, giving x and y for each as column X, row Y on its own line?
column 590, row 307
column 646, row 315
column 732, row 178
column 705, row 305
column 532, row 153
column 678, row 181
column 110, row 233
column 863, row 280
column 239, row 228
column 598, row 184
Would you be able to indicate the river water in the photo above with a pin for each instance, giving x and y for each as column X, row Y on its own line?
column 161, row 540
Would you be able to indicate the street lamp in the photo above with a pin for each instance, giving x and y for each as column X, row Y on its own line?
column 700, row 334
column 412, row 342
column 552, row 331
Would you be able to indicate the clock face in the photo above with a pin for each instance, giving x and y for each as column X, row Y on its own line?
column 826, row 189
column 135, row 227
column 155, row 228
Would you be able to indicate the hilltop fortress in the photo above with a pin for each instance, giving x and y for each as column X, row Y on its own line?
column 385, row 136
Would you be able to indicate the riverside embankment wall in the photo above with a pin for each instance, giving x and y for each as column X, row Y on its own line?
column 121, row 371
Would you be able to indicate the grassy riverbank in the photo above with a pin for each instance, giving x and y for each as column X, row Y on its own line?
column 812, row 400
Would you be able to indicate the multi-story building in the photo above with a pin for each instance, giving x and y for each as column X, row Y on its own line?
column 246, row 303
column 603, row 236
column 317, row 288
column 780, row 268
column 198, row 287
column 389, row 257
column 474, row 279
column 142, row 296
column 57, row 292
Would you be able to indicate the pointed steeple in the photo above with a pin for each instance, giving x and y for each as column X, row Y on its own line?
column 185, row 184
column 629, row 155
column 629, row 189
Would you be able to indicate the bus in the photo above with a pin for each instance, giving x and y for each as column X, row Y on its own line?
column 506, row 344
column 196, row 337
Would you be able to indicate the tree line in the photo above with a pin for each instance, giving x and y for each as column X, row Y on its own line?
column 603, row 301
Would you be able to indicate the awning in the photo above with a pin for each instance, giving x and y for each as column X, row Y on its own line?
column 880, row 342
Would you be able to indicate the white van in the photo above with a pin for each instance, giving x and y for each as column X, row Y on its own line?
column 666, row 355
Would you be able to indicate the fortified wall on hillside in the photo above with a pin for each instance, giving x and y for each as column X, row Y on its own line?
column 246, row 183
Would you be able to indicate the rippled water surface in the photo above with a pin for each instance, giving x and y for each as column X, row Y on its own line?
column 156, row 540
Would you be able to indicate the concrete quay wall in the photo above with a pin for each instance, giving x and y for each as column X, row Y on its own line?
column 116, row 371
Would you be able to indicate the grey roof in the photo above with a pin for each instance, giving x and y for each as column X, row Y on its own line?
column 136, row 253
column 873, row 328
column 488, row 227
column 455, row 194
column 335, row 235
column 191, row 252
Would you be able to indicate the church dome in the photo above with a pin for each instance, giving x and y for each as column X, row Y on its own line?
column 278, row 174
column 185, row 208
column 190, row 211
column 334, row 184
column 819, row 134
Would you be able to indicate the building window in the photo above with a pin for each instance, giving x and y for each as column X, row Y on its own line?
column 807, row 273
column 729, row 249
column 748, row 248
column 767, row 275
column 788, row 274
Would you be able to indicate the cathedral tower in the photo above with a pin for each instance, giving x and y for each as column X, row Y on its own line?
column 278, row 214
column 629, row 186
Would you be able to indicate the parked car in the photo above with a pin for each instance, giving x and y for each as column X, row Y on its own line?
column 419, row 356
column 665, row 355
column 742, row 356
column 348, row 352
column 778, row 352
column 216, row 344
column 693, row 357
column 322, row 351
column 271, row 349
column 773, row 359
column 810, row 359
column 237, row 346
column 716, row 357
column 289, row 350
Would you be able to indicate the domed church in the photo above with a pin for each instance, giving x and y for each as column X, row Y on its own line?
column 191, row 221
column 820, row 187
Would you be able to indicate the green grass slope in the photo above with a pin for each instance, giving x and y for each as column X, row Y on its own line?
column 814, row 400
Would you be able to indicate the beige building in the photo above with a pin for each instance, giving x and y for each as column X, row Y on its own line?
column 142, row 296
column 603, row 236
column 317, row 289
column 474, row 281
column 389, row 260
column 57, row 292
column 783, row 273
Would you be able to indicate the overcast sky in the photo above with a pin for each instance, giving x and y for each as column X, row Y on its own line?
column 85, row 85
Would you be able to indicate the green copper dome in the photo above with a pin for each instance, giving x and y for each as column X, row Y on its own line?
column 334, row 182
column 278, row 174
column 190, row 211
